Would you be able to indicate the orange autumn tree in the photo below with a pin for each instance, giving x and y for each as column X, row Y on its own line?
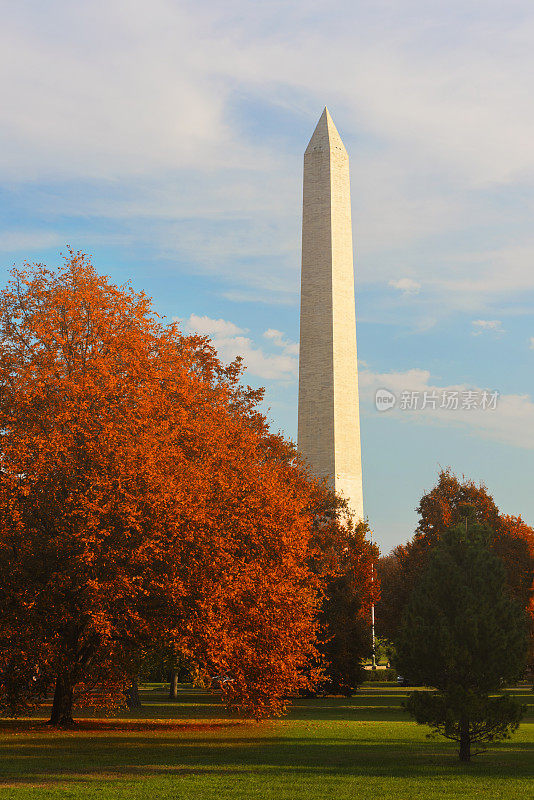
column 441, row 508
column 343, row 556
column 142, row 498
column 517, row 538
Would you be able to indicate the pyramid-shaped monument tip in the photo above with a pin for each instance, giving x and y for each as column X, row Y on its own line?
column 325, row 135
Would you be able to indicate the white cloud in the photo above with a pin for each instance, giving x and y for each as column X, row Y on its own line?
column 229, row 342
column 205, row 326
column 473, row 277
column 11, row 241
column 131, row 86
column 406, row 285
column 145, row 101
column 278, row 338
column 512, row 421
column 487, row 325
column 265, row 296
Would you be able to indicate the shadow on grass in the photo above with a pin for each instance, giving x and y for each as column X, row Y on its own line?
column 84, row 758
column 105, row 726
column 197, row 736
column 370, row 703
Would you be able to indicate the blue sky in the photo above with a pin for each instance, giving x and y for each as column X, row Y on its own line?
column 166, row 139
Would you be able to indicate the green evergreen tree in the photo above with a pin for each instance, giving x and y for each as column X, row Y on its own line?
column 464, row 635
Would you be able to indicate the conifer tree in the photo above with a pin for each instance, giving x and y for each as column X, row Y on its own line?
column 464, row 635
column 511, row 539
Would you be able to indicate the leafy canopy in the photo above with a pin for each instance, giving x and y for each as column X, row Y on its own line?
column 142, row 499
column 440, row 509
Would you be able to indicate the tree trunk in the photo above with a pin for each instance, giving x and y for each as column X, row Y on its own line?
column 63, row 700
column 173, row 689
column 465, row 740
column 132, row 696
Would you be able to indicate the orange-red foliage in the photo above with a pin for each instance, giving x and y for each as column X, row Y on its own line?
column 346, row 614
column 515, row 538
column 343, row 556
column 439, row 509
column 141, row 496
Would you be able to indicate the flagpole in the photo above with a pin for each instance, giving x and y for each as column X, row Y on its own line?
column 373, row 662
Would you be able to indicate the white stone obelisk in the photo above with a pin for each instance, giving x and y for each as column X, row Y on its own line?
column 329, row 415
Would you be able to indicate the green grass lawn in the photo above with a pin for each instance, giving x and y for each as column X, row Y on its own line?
column 364, row 748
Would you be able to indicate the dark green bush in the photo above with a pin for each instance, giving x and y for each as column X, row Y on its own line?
column 380, row 675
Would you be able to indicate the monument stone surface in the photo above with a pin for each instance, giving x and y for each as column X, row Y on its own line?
column 328, row 412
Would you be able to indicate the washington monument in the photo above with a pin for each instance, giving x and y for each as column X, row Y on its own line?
column 329, row 415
